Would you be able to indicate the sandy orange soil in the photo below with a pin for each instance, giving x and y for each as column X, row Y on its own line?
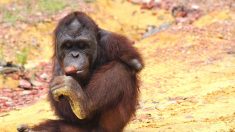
column 188, row 83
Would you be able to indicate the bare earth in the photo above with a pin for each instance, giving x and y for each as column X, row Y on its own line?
column 188, row 83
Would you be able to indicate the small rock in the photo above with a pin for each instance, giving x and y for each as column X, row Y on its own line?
column 25, row 92
column 9, row 103
column 36, row 83
column 152, row 29
column 5, row 98
column 44, row 76
column 23, row 128
column 179, row 11
column 7, row 70
column 25, row 84
column 7, row 90
column 34, row 92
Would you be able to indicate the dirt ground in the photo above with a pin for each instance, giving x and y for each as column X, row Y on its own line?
column 188, row 83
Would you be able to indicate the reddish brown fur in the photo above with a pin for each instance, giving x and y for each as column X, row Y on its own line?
column 112, row 87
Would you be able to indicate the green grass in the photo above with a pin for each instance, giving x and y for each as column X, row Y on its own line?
column 51, row 6
column 22, row 56
column 10, row 17
column 22, row 10
column 89, row 1
column 1, row 54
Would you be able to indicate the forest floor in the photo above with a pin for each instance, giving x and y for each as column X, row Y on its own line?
column 188, row 83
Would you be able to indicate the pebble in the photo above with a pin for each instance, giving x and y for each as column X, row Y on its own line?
column 25, row 92
column 25, row 84
column 44, row 76
column 6, row 90
column 36, row 83
column 34, row 92
column 9, row 103
column 5, row 98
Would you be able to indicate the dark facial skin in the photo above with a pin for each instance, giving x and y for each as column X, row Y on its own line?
column 78, row 49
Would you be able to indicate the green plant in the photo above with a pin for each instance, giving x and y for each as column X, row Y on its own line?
column 89, row 1
column 51, row 5
column 22, row 56
column 10, row 17
column 1, row 54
